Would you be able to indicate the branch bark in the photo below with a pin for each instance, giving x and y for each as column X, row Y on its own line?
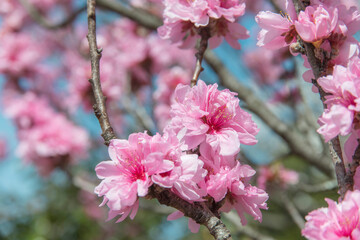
column 204, row 32
column 199, row 212
column 95, row 55
column 319, row 68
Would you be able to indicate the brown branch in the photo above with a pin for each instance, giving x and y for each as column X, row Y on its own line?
column 293, row 211
column 95, row 55
column 318, row 62
column 37, row 16
column 199, row 212
column 204, row 32
column 143, row 18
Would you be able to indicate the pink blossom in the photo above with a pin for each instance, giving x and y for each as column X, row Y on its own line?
column 125, row 177
column 205, row 115
column 234, row 184
column 12, row 14
column 183, row 19
column 314, row 24
column 343, row 101
column 139, row 162
column 46, row 138
column 337, row 221
column 277, row 174
column 277, row 30
column 186, row 169
column 19, row 54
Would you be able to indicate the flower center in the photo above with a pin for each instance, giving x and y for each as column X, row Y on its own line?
column 217, row 118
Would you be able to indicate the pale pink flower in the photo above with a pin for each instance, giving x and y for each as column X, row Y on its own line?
column 315, row 24
column 19, row 53
column 186, row 169
column 13, row 15
column 182, row 20
column 277, row 30
column 277, row 174
column 343, row 100
column 337, row 221
column 204, row 115
column 125, row 177
column 139, row 162
column 46, row 138
column 234, row 184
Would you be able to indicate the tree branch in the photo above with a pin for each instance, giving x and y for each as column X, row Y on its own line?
column 95, row 55
column 204, row 32
column 199, row 212
column 36, row 15
column 141, row 17
column 319, row 68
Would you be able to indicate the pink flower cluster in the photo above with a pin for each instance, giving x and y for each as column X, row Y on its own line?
column 337, row 221
column 46, row 138
column 130, row 57
column 195, row 157
column 343, row 101
column 326, row 24
column 18, row 54
column 183, row 20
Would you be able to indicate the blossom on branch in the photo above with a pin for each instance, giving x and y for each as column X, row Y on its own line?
column 183, row 20
column 343, row 100
column 204, row 115
column 337, row 221
column 46, row 138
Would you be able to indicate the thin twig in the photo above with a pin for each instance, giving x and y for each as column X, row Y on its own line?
column 325, row 186
column 139, row 113
column 37, row 16
column 293, row 212
column 204, row 32
column 95, row 55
